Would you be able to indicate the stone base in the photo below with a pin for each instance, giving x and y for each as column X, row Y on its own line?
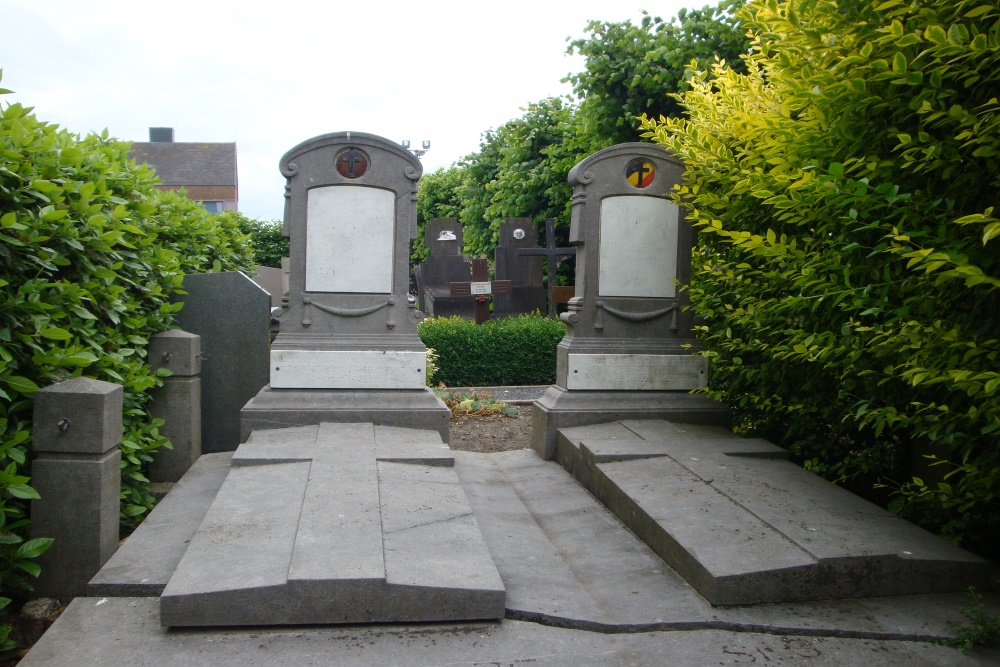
column 406, row 408
column 560, row 408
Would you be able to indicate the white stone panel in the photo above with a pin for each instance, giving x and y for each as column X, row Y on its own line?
column 349, row 239
column 638, row 256
column 347, row 369
column 636, row 372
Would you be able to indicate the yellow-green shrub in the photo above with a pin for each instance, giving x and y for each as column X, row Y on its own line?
column 845, row 191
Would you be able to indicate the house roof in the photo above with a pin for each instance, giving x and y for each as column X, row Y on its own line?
column 188, row 164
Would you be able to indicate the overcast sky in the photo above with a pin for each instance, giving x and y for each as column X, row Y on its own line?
column 271, row 75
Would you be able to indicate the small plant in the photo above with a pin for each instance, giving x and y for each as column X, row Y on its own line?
column 432, row 367
column 983, row 627
column 475, row 403
column 7, row 645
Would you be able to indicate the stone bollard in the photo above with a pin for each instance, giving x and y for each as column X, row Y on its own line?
column 177, row 402
column 77, row 426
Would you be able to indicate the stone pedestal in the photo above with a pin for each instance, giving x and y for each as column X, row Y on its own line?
column 629, row 350
column 77, row 426
column 177, row 403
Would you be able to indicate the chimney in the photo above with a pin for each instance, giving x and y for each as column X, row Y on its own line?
column 161, row 135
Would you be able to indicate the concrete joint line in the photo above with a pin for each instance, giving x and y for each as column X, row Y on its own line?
column 435, row 463
column 545, row 531
column 426, row 523
column 549, row 620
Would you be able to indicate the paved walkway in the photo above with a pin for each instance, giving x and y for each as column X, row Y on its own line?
column 580, row 590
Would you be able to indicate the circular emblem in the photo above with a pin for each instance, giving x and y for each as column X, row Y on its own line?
column 640, row 173
column 518, row 234
column 351, row 163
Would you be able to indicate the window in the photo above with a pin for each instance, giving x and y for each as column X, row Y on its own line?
column 212, row 206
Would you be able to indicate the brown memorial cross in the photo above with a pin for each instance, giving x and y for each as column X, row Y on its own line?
column 480, row 287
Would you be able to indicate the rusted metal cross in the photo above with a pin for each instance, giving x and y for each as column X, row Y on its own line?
column 553, row 258
column 481, row 287
column 351, row 159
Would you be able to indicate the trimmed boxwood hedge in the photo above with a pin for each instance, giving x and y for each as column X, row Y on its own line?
column 507, row 351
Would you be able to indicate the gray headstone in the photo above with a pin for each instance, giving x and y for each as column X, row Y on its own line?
column 525, row 273
column 271, row 281
column 349, row 325
column 232, row 314
column 446, row 264
column 629, row 350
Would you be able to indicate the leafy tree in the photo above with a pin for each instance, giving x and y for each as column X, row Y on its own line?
column 266, row 238
column 521, row 167
column 845, row 189
column 633, row 70
column 90, row 254
column 521, row 171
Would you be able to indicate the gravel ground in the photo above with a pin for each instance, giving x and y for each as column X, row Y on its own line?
column 523, row 395
column 491, row 434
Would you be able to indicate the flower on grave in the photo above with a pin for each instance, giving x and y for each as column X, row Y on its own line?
column 481, row 298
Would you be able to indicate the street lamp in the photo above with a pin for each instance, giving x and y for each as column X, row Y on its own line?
column 425, row 146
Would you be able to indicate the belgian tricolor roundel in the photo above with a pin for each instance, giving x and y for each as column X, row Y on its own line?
column 640, row 173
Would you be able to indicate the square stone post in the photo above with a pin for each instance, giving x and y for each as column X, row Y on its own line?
column 77, row 426
column 177, row 402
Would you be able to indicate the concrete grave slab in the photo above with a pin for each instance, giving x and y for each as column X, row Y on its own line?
column 350, row 538
column 744, row 526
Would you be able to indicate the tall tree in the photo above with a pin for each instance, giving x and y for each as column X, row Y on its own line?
column 631, row 70
column 634, row 70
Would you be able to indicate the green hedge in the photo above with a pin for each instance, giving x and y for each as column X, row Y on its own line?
column 90, row 254
column 506, row 351
column 848, row 272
